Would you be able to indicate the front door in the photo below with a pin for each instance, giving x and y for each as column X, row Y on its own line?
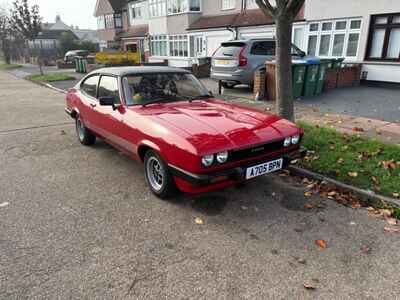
column 88, row 103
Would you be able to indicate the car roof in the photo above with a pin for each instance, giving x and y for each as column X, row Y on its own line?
column 123, row 71
column 250, row 40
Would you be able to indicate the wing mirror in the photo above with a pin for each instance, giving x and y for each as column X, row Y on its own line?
column 107, row 101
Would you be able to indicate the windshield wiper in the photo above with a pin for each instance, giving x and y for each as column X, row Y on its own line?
column 193, row 98
column 159, row 100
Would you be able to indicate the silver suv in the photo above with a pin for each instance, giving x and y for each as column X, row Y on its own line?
column 235, row 62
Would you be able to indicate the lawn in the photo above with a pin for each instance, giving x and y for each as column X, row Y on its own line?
column 361, row 162
column 8, row 67
column 51, row 77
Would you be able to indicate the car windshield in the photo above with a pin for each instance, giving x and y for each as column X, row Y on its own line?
column 144, row 89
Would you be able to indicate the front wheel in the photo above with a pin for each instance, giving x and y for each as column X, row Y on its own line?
column 158, row 177
column 228, row 85
column 85, row 137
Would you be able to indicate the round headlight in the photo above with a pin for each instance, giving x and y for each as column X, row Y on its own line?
column 287, row 142
column 207, row 160
column 222, row 157
column 295, row 139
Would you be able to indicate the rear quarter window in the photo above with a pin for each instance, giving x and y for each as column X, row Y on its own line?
column 89, row 86
column 266, row 48
column 230, row 49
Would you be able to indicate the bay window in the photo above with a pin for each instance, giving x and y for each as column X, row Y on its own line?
column 384, row 38
column 334, row 38
column 228, row 4
column 183, row 6
column 157, row 8
column 101, row 23
column 159, row 45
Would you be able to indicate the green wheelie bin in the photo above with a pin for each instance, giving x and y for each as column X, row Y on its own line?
column 321, row 77
column 311, row 78
column 298, row 73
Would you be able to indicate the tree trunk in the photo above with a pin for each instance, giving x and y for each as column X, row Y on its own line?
column 284, row 89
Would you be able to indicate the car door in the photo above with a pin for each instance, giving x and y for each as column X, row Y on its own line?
column 111, row 122
column 88, row 97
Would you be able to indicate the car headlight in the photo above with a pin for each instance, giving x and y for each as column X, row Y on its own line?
column 222, row 157
column 295, row 139
column 207, row 160
column 287, row 142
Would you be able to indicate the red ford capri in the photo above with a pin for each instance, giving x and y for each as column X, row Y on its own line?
column 187, row 139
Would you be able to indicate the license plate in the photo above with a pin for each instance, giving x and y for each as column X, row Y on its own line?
column 264, row 168
column 224, row 63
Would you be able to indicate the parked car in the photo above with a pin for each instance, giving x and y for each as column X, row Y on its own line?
column 235, row 62
column 186, row 138
column 70, row 55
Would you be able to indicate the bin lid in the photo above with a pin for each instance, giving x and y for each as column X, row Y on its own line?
column 312, row 61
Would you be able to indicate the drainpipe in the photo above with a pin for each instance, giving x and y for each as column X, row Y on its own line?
column 234, row 31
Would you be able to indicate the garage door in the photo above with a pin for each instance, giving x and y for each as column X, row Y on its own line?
column 214, row 42
column 256, row 35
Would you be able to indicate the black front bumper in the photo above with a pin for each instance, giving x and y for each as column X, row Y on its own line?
column 235, row 174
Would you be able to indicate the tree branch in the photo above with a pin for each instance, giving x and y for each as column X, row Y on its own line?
column 294, row 7
column 266, row 7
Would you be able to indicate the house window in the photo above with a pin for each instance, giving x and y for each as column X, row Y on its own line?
column 118, row 20
column 178, row 46
column 182, row 6
column 228, row 4
column 137, row 11
column 384, row 38
column 101, row 23
column 157, row 8
column 159, row 45
column 334, row 38
column 109, row 21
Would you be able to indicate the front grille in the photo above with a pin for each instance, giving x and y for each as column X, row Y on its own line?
column 255, row 151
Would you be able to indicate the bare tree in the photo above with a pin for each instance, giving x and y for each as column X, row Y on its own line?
column 26, row 22
column 283, row 13
column 5, row 31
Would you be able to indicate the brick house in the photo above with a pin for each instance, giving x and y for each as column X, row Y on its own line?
column 185, row 31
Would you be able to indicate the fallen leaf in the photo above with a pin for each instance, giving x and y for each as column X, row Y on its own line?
column 307, row 194
column 340, row 161
column 199, row 221
column 375, row 180
column 396, row 195
column 392, row 221
column 355, row 205
column 365, row 249
column 332, row 194
column 358, row 129
column 392, row 230
column 4, row 204
column 387, row 213
column 353, row 174
column 308, row 286
column 308, row 206
column 321, row 243
column 345, row 148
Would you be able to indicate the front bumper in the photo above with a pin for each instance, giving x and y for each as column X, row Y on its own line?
column 235, row 174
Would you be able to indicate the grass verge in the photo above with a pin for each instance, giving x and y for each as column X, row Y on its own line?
column 6, row 67
column 358, row 161
column 51, row 77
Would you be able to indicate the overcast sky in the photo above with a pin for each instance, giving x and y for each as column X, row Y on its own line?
column 75, row 12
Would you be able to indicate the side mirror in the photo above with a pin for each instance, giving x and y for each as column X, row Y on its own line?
column 107, row 101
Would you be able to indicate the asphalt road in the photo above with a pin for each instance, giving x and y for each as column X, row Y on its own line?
column 79, row 223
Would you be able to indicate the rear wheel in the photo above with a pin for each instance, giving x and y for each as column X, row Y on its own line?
column 85, row 137
column 158, row 176
column 228, row 85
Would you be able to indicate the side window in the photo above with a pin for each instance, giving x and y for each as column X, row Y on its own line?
column 109, row 87
column 89, row 86
column 263, row 48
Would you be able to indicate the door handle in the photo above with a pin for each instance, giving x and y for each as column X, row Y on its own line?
column 93, row 105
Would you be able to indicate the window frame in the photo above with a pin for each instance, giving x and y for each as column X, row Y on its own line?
column 232, row 2
column 118, row 87
column 185, row 3
column 97, row 86
column 388, row 26
column 347, row 31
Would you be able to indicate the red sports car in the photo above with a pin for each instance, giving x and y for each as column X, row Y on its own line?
column 185, row 137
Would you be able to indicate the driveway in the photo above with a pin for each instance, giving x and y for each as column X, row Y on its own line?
column 78, row 222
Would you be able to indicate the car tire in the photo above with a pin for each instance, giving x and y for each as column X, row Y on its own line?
column 158, row 177
column 227, row 85
column 85, row 136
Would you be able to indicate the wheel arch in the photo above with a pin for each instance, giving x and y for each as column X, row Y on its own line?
column 146, row 146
